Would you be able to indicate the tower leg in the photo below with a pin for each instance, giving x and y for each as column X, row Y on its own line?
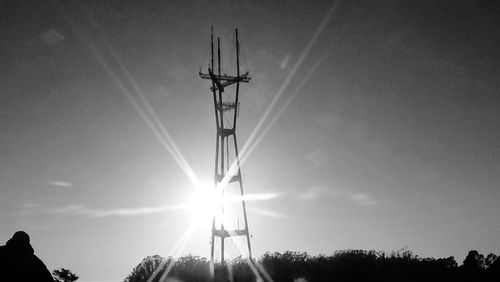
column 213, row 241
column 222, row 250
column 242, row 195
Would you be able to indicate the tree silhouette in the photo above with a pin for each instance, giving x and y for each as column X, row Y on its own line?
column 151, row 265
column 490, row 260
column 493, row 264
column 346, row 265
column 474, row 261
column 64, row 275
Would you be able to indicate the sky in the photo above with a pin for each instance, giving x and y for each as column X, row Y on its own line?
column 373, row 125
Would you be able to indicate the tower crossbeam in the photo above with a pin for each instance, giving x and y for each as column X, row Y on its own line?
column 228, row 80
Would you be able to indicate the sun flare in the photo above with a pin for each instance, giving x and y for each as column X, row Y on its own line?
column 205, row 201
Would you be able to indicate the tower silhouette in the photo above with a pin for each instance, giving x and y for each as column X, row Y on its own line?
column 227, row 173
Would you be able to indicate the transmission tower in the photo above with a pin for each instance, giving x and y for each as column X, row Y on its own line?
column 227, row 174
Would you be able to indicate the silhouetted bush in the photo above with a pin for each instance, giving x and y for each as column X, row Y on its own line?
column 64, row 275
column 347, row 265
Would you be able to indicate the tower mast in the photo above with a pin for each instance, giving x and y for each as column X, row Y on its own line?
column 227, row 169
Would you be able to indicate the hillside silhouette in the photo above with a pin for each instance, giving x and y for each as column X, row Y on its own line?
column 347, row 265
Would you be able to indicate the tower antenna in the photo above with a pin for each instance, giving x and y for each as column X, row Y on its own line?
column 225, row 176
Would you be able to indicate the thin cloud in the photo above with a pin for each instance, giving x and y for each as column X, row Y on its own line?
column 72, row 210
column 30, row 205
column 22, row 213
column 358, row 198
column 363, row 199
column 60, row 183
column 285, row 61
column 328, row 121
column 26, row 209
column 51, row 37
column 313, row 193
column 318, row 157
column 266, row 212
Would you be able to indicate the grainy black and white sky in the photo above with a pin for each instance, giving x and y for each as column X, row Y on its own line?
column 385, row 131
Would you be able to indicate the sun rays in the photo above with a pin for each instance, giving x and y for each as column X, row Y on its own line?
column 130, row 89
column 206, row 200
column 258, row 133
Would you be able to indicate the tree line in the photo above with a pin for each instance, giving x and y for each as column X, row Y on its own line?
column 346, row 265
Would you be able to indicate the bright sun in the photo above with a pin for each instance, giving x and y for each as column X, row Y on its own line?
column 205, row 201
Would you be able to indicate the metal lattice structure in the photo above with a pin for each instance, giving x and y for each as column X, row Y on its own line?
column 227, row 172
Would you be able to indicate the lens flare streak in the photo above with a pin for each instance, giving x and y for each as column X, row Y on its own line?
column 148, row 116
column 147, row 113
column 253, row 141
column 233, row 169
column 176, row 251
column 281, row 90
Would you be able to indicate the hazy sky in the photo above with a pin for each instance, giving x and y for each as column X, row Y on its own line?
column 387, row 136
